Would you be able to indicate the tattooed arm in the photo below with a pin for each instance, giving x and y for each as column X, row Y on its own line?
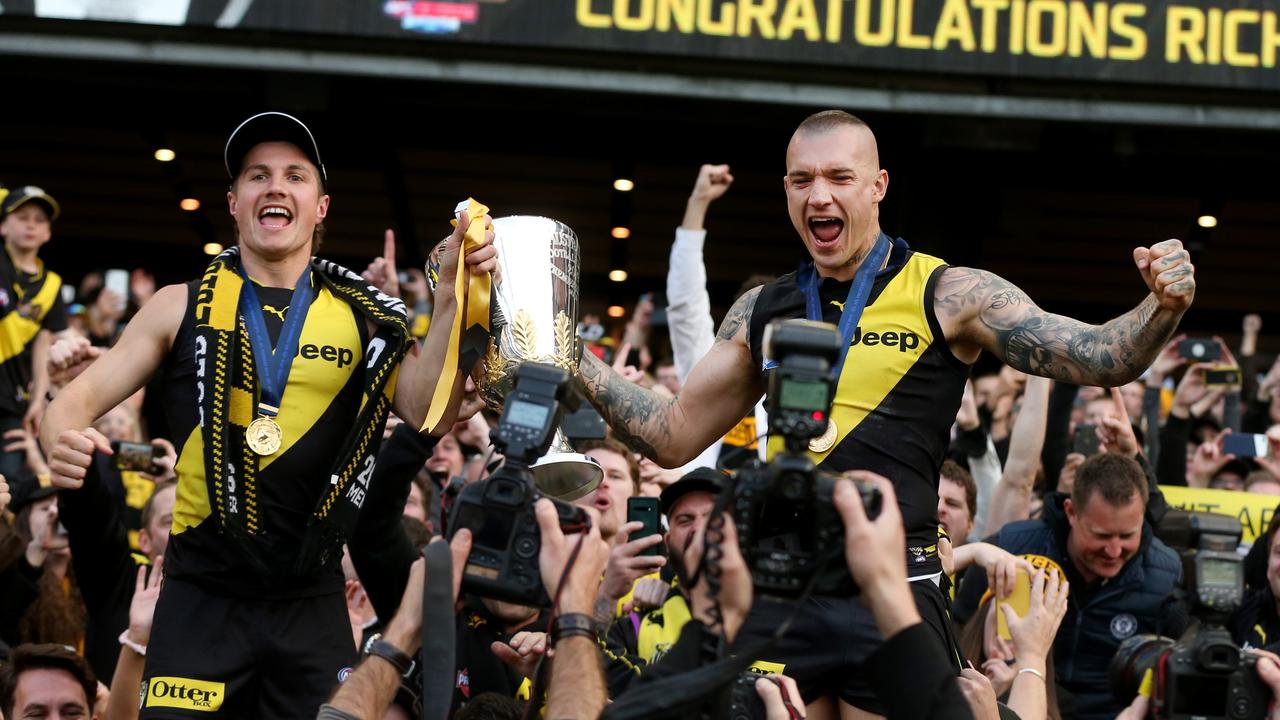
column 980, row 310
column 720, row 390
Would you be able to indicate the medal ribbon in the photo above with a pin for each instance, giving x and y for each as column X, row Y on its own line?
column 854, row 304
column 274, row 364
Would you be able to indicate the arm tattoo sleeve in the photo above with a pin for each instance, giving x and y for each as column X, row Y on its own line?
column 1050, row 345
column 640, row 418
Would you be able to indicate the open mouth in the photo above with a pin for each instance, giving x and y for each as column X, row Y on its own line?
column 275, row 216
column 826, row 229
column 602, row 503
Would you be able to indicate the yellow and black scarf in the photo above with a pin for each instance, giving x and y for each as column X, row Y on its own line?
column 225, row 369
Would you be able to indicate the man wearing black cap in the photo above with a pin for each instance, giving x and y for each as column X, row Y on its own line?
column 278, row 372
column 31, row 311
column 635, row 640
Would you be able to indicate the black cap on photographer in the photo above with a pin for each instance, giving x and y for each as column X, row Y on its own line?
column 703, row 479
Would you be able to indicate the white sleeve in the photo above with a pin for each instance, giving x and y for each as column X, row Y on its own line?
column 986, row 472
column 688, row 304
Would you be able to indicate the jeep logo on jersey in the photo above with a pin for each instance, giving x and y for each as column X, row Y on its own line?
column 176, row 692
column 904, row 341
column 328, row 353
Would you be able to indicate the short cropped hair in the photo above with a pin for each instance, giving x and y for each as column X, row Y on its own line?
column 952, row 471
column 44, row 656
column 829, row 120
column 612, row 445
column 149, row 507
column 1117, row 477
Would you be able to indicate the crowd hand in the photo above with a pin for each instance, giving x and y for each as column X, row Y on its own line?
column 1000, row 674
column 583, row 579
column 946, row 556
column 1268, row 669
column 22, row 439
column 34, row 414
column 1271, row 461
column 72, row 455
column 1191, row 388
column 382, row 273
column 655, row 477
column 1001, row 565
column 1067, row 476
column 1167, row 270
column 142, row 609
column 977, row 690
column 142, row 285
column 6, row 495
column 1166, row 362
column 781, row 697
column 1227, row 359
column 626, row 564
column 967, row 416
column 405, row 629
column 68, row 357
column 712, row 183
column 416, row 285
column 630, row 373
column 44, row 537
column 523, row 652
column 1137, row 709
column 109, row 306
column 1207, row 460
column 1270, row 382
column 167, row 463
column 1250, row 329
column 647, row 594
column 1116, row 433
column 1033, row 633
column 735, row 580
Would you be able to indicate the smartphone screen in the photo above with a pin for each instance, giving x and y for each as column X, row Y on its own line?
column 1245, row 445
column 645, row 510
column 117, row 281
column 139, row 457
column 1085, row 440
column 1019, row 600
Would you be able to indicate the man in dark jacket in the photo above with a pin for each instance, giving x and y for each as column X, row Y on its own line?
column 1122, row 577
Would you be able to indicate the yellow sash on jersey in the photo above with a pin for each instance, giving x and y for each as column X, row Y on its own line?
column 891, row 336
column 19, row 327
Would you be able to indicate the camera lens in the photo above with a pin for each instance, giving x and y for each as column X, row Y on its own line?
column 1131, row 661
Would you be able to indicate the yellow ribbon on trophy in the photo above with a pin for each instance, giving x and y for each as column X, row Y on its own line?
column 473, row 293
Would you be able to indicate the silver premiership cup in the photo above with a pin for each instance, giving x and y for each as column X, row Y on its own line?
column 535, row 318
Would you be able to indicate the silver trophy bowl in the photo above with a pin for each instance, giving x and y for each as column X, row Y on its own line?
column 534, row 318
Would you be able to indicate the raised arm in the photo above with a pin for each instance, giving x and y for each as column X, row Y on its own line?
column 980, row 310
column 670, row 431
column 65, row 433
column 1011, row 497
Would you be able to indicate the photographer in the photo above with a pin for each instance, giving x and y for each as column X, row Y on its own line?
column 910, row 671
column 1122, row 577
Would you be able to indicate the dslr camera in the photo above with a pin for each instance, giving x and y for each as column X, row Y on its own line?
column 503, row 563
column 1202, row 675
column 790, row 533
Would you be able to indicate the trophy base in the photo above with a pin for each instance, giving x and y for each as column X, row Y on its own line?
column 566, row 476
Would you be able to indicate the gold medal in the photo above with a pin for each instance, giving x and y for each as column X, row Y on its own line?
column 264, row 436
column 823, row 442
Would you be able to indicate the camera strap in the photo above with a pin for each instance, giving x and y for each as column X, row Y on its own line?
column 854, row 304
column 438, row 634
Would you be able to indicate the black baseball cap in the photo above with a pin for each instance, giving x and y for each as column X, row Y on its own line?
column 18, row 197
column 703, row 479
column 271, row 127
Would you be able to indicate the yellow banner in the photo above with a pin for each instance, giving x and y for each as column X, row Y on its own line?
column 1254, row 510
